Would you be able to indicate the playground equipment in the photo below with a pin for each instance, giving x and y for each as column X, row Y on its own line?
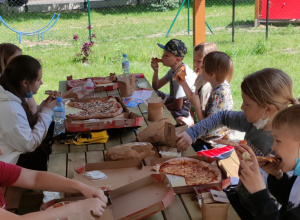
column 40, row 32
column 188, row 19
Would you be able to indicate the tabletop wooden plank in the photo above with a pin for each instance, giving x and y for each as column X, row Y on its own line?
column 57, row 164
column 58, row 148
column 75, row 160
column 128, row 136
column 230, row 166
column 192, row 206
column 78, row 148
column 95, row 147
column 176, row 210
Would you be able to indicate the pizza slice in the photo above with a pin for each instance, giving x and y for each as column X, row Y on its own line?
column 53, row 93
column 180, row 74
column 247, row 157
column 173, row 166
column 157, row 60
column 229, row 142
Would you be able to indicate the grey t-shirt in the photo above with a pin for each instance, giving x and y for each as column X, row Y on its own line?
column 259, row 140
column 176, row 90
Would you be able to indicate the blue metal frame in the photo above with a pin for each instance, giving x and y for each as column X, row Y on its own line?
column 40, row 32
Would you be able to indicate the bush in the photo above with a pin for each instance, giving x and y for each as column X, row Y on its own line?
column 164, row 5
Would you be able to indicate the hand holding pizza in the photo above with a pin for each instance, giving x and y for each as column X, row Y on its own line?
column 154, row 64
column 272, row 169
column 183, row 141
column 250, row 175
column 49, row 102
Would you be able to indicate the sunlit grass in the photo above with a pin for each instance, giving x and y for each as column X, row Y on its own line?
column 137, row 32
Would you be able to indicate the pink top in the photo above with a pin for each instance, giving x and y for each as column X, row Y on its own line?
column 9, row 174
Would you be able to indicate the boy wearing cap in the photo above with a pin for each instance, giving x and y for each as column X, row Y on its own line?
column 177, row 102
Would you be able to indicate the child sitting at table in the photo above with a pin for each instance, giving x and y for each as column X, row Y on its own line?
column 217, row 70
column 286, row 189
column 9, row 51
column 12, row 175
column 200, row 97
column 264, row 94
column 22, row 133
column 177, row 103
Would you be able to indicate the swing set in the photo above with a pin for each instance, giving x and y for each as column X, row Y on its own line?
column 40, row 32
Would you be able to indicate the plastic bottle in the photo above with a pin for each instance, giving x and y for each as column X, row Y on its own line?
column 89, row 88
column 59, row 117
column 125, row 65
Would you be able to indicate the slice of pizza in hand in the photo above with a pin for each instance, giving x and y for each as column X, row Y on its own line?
column 247, row 157
column 157, row 60
column 53, row 93
column 180, row 74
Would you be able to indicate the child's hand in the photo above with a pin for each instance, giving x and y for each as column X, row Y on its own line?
column 250, row 175
column 91, row 192
column 272, row 169
column 183, row 141
column 240, row 150
column 49, row 102
column 154, row 65
column 95, row 205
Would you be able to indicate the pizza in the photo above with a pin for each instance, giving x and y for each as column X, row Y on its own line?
column 157, row 60
column 180, row 74
column 195, row 172
column 96, row 80
column 229, row 142
column 247, row 157
column 95, row 109
column 53, row 93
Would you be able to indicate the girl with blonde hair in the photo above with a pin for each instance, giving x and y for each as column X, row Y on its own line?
column 264, row 94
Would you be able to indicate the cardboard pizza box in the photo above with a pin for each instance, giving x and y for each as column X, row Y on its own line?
column 178, row 182
column 137, row 200
column 102, row 87
column 126, row 119
column 119, row 173
column 215, row 205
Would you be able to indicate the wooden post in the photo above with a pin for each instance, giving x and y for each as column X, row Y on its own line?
column 257, row 12
column 199, row 21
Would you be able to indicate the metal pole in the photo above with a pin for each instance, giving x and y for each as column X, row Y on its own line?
column 233, row 19
column 267, row 21
column 89, row 13
column 175, row 18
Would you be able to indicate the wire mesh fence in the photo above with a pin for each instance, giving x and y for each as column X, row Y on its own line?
column 29, row 15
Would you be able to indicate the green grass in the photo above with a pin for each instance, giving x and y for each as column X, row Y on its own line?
column 136, row 30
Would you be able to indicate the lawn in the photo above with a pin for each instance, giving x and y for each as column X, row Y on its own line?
column 136, row 30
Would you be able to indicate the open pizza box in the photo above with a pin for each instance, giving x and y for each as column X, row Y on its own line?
column 178, row 182
column 126, row 119
column 111, row 85
column 119, row 173
column 136, row 200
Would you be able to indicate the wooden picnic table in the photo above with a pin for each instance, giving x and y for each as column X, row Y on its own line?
column 65, row 157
